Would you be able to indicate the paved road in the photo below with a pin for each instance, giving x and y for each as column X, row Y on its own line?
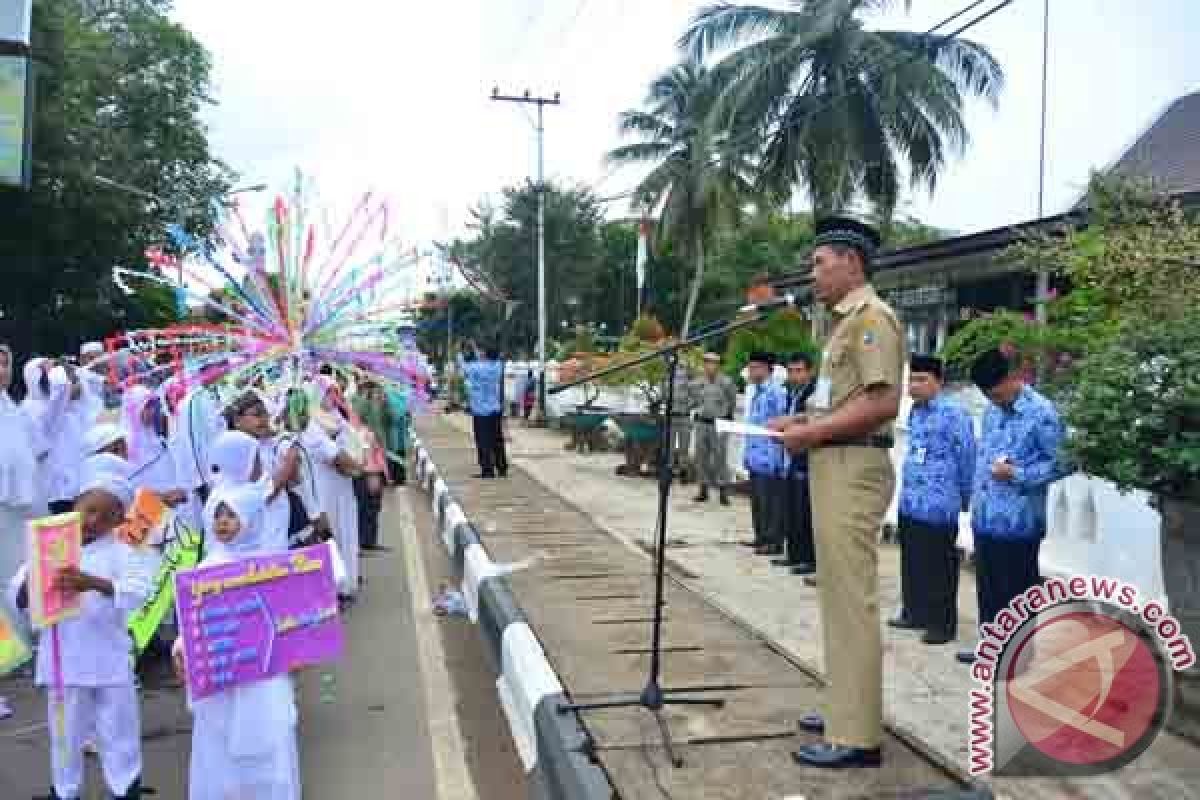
column 413, row 711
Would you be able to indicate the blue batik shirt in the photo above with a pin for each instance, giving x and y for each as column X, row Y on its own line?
column 484, row 381
column 1030, row 435
column 764, row 455
column 939, row 467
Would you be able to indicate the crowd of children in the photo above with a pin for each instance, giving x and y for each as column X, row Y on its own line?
column 258, row 468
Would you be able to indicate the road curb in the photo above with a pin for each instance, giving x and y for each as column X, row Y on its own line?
column 554, row 747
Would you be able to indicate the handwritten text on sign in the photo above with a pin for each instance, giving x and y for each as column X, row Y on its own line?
column 245, row 621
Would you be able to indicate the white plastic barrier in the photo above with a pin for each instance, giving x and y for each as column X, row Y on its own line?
column 1093, row 529
column 525, row 680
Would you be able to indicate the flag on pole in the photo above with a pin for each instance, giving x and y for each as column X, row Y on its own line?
column 643, row 250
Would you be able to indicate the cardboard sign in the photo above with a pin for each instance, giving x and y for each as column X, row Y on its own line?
column 245, row 621
column 147, row 515
column 14, row 650
column 54, row 542
column 182, row 552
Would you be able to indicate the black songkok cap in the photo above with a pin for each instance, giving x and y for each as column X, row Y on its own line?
column 761, row 357
column 990, row 369
column 931, row 364
column 847, row 231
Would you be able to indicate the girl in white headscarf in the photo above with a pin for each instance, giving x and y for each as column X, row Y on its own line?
column 237, row 460
column 243, row 739
column 329, row 440
column 195, row 423
column 18, row 473
column 44, row 407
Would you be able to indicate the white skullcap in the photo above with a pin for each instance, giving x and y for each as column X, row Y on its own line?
column 101, row 436
column 107, row 463
column 91, row 349
column 112, row 483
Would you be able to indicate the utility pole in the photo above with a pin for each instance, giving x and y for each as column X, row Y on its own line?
column 541, row 103
column 1043, row 277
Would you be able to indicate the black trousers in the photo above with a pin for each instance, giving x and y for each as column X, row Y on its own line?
column 369, row 506
column 929, row 575
column 1004, row 568
column 489, row 444
column 396, row 471
column 767, row 497
column 797, row 520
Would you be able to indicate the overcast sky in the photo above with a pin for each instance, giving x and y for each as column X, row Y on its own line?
column 394, row 95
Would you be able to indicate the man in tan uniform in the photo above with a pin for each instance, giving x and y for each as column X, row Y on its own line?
column 847, row 432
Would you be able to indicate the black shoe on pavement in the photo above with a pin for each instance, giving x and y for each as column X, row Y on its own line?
column 904, row 622
column 965, row 657
column 724, row 498
column 812, row 723
column 836, row 756
column 938, row 637
column 701, row 498
column 804, row 568
column 783, row 562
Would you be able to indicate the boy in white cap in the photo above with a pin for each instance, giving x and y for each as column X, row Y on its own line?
column 99, row 694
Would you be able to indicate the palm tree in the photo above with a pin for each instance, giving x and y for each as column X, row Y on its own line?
column 842, row 110
column 698, row 179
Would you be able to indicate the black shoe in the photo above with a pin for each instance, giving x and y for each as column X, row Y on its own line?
column 377, row 548
column 938, row 637
column 724, row 498
column 812, row 723
column 701, row 498
column 965, row 657
column 783, row 562
column 836, row 756
column 904, row 622
column 804, row 568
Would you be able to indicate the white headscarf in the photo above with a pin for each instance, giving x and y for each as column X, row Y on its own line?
column 246, row 501
column 18, row 454
column 231, row 459
column 142, row 437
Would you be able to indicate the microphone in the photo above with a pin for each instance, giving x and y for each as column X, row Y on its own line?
column 775, row 303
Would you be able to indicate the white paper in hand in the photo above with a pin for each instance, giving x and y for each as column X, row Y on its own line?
column 745, row 429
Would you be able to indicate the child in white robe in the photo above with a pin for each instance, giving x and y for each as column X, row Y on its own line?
column 328, row 440
column 99, row 694
column 243, row 739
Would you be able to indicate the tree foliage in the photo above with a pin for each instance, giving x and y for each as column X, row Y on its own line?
column 119, row 90
column 834, row 107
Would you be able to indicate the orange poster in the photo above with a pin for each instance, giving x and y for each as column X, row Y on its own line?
column 145, row 516
column 54, row 542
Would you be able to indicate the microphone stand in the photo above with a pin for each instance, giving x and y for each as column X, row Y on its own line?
column 653, row 696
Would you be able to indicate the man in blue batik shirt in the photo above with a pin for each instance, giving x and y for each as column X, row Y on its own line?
column 1019, row 457
column 765, row 459
column 484, row 382
column 939, row 469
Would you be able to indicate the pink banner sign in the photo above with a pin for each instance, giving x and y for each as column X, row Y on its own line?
column 245, row 621
column 54, row 542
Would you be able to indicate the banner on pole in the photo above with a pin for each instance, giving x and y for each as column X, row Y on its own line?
column 54, row 543
column 182, row 552
column 249, row 620
column 14, row 650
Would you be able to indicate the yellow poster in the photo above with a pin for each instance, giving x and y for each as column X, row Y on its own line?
column 14, row 650
column 13, row 80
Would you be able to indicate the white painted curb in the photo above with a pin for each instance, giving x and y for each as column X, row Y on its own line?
column 526, row 679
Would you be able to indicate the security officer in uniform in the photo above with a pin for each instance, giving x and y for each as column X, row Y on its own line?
column 716, row 398
column 847, row 433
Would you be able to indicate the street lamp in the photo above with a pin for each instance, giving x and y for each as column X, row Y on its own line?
column 109, row 183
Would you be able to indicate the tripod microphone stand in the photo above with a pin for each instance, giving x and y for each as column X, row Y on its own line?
column 653, row 697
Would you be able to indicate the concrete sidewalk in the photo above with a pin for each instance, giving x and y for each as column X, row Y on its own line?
column 926, row 690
